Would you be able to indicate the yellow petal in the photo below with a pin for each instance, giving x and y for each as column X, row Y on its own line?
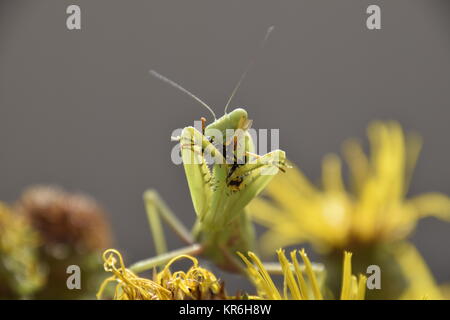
column 432, row 204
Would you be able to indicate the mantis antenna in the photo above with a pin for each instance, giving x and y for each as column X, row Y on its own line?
column 177, row 86
column 250, row 64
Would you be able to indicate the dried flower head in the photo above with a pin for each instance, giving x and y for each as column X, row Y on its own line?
column 20, row 272
column 66, row 218
column 195, row 284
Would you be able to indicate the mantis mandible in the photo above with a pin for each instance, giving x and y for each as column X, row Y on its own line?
column 220, row 191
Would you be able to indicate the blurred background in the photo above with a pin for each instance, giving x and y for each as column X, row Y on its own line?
column 79, row 109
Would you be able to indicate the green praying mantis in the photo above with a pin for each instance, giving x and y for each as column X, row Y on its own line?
column 220, row 190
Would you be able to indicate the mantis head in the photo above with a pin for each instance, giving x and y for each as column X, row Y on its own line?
column 236, row 119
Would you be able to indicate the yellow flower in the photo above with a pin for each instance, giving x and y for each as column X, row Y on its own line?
column 196, row 283
column 374, row 210
column 421, row 282
column 371, row 217
column 295, row 285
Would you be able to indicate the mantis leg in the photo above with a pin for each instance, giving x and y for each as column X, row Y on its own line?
column 161, row 259
column 256, row 176
column 193, row 146
column 274, row 159
column 156, row 209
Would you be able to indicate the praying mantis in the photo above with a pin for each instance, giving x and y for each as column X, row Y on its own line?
column 220, row 190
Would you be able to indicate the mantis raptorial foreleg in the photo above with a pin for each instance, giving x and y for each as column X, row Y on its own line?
column 269, row 161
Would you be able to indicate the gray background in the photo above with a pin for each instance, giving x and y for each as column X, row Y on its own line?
column 78, row 108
